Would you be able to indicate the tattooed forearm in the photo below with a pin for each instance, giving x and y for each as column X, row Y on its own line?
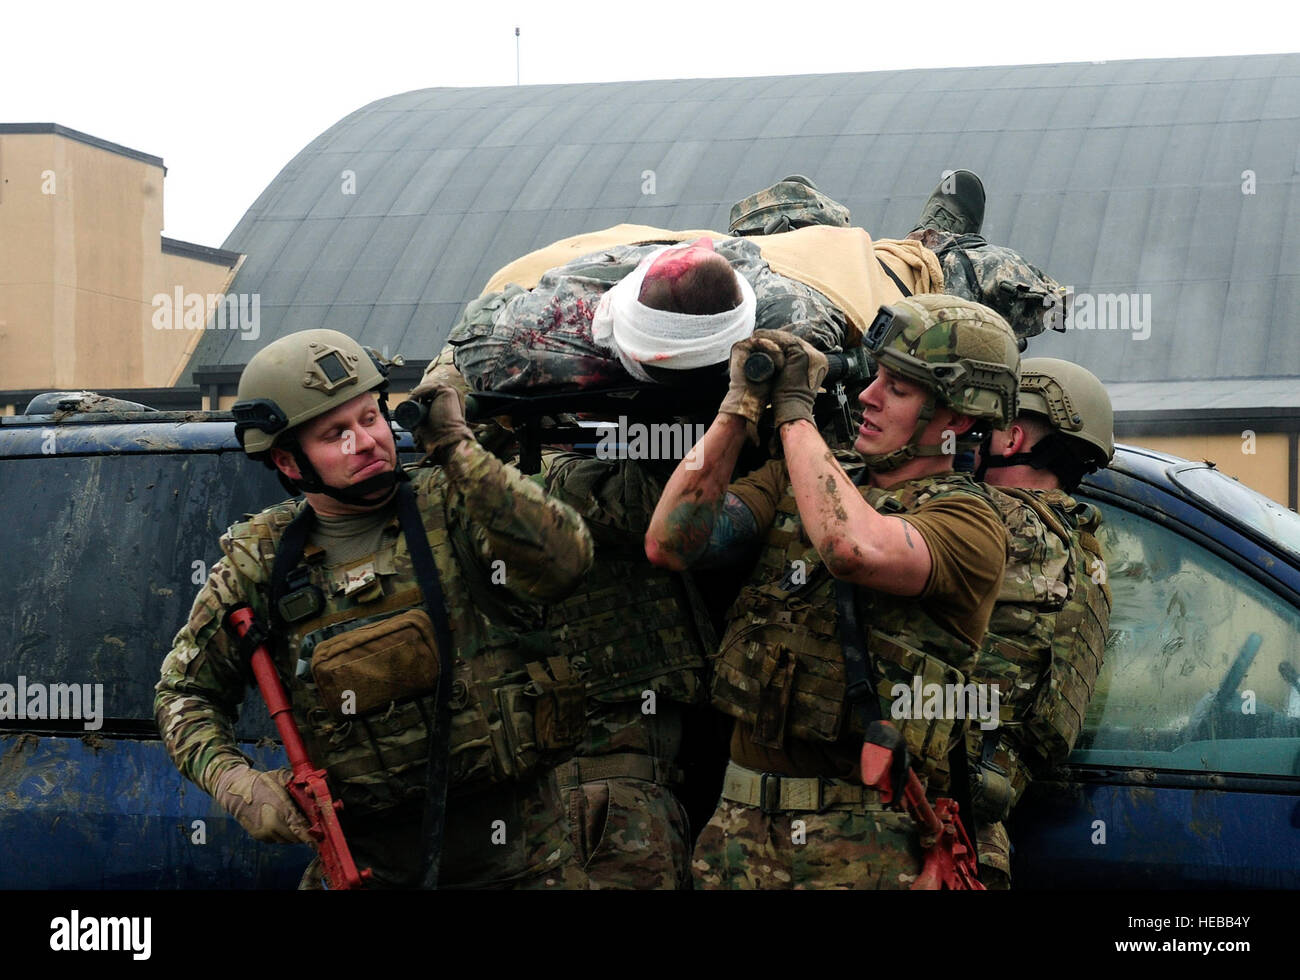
column 707, row 536
column 688, row 528
column 734, row 535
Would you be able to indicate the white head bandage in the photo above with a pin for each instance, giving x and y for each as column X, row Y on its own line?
column 640, row 335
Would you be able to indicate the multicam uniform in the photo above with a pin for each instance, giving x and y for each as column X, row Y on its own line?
column 794, row 812
column 637, row 636
column 1044, row 650
column 481, row 520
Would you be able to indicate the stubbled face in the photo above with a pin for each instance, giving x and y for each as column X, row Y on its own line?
column 350, row 444
column 890, row 407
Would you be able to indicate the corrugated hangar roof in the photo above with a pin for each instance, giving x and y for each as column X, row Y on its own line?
column 1173, row 179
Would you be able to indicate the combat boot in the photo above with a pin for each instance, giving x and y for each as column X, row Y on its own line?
column 956, row 206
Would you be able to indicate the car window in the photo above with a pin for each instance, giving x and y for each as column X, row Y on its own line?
column 1198, row 661
column 1265, row 517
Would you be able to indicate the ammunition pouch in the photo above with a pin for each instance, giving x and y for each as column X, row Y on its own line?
column 509, row 718
column 560, row 718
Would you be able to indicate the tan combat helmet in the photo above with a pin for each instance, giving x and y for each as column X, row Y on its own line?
column 294, row 380
column 1075, row 405
column 962, row 353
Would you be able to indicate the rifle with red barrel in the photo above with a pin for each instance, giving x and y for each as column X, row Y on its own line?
column 307, row 785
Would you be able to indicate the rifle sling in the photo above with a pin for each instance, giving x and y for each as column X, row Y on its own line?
column 426, row 573
column 863, row 691
column 287, row 556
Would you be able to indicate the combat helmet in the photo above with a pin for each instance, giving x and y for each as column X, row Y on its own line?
column 792, row 202
column 294, row 380
column 962, row 354
column 1074, row 404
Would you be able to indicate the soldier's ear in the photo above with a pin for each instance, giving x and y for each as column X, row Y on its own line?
column 285, row 463
column 1018, row 440
column 960, row 424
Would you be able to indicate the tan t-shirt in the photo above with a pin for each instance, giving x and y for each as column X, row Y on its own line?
column 968, row 545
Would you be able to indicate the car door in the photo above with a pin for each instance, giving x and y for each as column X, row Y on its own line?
column 106, row 539
column 1187, row 773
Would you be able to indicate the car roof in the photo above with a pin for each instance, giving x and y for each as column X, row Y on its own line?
column 1200, row 487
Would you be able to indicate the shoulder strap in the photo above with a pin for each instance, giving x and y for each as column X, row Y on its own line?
column 1041, row 508
column 859, row 669
column 287, row 555
column 426, row 573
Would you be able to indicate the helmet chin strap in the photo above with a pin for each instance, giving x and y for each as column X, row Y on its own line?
column 1049, row 453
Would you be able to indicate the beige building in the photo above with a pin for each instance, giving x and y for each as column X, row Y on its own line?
column 91, row 294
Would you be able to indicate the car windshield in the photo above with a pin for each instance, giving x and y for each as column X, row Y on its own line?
column 1266, row 518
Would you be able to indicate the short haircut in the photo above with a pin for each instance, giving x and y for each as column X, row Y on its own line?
column 709, row 286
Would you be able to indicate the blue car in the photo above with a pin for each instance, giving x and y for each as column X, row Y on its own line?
column 1187, row 772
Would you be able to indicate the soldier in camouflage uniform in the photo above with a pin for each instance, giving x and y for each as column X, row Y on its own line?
column 1047, row 634
column 922, row 551
column 639, row 636
column 359, row 654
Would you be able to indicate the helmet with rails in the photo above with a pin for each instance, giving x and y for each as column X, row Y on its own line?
column 1075, row 406
column 298, row 378
column 964, row 355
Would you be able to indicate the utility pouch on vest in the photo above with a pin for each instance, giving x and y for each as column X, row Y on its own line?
column 776, row 677
column 784, row 676
column 925, row 678
column 391, row 660
column 560, row 715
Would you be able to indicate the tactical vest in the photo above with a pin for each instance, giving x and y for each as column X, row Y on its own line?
column 1047, row 634
column 630, row 628
column 510, row 714
column 780, row 666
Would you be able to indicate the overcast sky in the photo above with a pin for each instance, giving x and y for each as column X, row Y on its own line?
column 227, row 93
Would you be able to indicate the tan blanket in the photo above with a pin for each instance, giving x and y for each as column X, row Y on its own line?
column 841, row 263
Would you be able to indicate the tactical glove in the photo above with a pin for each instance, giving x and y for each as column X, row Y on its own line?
column 445, row 424
column 795, row 390
column 261, row 804
column 748, row 398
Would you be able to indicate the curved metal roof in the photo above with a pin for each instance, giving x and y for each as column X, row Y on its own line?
column 1175, row 179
